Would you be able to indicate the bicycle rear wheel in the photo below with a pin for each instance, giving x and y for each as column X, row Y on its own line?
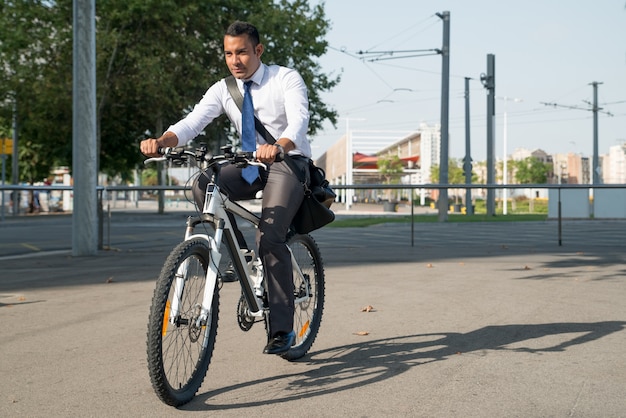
column 308, row 294
column 180, row 342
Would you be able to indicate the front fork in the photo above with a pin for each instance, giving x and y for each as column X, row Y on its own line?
column 200, row 314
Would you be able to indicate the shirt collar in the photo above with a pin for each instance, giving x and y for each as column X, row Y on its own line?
column 257, row 77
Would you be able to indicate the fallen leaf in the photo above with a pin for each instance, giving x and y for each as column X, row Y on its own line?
column 21, row 298
column 362, row 333
column 429, row 265
column 368, row 308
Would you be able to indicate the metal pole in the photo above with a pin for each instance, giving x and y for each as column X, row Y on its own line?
column 100, row 219
column 15, row 171
column 467, row 164
column 505, row 174
column 412, row 221
column 4, row 161
column 596, row 168
column 559, row 216
column 505, row 159
column 489, row 82
column 595, row 163
column 445, row 99
column 348, row 163
column 84, row 140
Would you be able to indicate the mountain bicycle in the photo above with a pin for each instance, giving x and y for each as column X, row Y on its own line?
column 183, row 320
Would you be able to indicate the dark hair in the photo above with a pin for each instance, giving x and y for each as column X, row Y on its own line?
column 239, row 28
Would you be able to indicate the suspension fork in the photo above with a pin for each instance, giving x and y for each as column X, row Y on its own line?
column 212, row 272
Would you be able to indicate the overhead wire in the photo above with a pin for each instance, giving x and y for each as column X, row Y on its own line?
column 409, row 33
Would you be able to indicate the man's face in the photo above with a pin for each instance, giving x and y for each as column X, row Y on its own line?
column 242, row 58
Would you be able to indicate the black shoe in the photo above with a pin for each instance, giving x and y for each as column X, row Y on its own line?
column 281, row 343
column 229, row 274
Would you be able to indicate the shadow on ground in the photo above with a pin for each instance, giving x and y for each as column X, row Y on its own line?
column 347, row 367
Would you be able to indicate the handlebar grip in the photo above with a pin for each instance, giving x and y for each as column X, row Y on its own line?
column 278, row 158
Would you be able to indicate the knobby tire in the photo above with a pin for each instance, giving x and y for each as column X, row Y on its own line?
column 308, row 313
column 177, row 362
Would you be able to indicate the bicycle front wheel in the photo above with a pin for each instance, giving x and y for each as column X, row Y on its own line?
column 308, row 282
column 181, row 334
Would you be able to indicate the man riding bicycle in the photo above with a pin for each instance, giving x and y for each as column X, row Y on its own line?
column 280, row 102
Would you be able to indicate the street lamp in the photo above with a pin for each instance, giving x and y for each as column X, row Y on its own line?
column 349, row 178
column 505, row 174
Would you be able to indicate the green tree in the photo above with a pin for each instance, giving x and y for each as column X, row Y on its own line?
column 155, row 59
column 456, row 174
column 36, row 80
column 531, row 170
column 390, row 168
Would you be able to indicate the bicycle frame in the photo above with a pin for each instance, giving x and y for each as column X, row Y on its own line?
column 216, row 207
column 215, row 212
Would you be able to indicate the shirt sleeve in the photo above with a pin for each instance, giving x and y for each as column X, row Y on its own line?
column 203, row 113
column 296, row 110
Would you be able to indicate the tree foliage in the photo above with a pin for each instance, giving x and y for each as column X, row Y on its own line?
column 456, row 172
column 390, row 168
column 531, row 170
column 35, row 80
column 155, row 59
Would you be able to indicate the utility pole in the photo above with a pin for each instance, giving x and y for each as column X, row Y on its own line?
column 489, row 82
column 467, row 161
column 445, row 99
column 596, row 164
column 505, row 157
column 84, row 142
column 595, row 109
column 349, row 193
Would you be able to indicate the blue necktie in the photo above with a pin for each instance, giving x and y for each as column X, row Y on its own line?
column 248, row 133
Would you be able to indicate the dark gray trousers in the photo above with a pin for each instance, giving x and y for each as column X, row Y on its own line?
column 282, row 196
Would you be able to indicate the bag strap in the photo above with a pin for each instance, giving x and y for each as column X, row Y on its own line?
column 231, row 83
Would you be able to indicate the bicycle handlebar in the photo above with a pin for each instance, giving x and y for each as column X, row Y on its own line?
column 202, row 155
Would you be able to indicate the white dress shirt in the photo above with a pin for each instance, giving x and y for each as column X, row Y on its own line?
column 280, row 102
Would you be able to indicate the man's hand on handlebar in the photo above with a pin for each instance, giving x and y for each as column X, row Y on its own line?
column 150, row 147
column 267, row 153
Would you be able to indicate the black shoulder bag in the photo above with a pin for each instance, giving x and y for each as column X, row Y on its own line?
column 314, row 212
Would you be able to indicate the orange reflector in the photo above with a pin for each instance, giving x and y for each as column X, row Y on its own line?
column 304, row 328
column 166, row 318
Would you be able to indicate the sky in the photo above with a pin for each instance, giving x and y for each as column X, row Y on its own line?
column 546, row 51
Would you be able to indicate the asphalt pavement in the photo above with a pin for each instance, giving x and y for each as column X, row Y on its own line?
column 472, row 320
